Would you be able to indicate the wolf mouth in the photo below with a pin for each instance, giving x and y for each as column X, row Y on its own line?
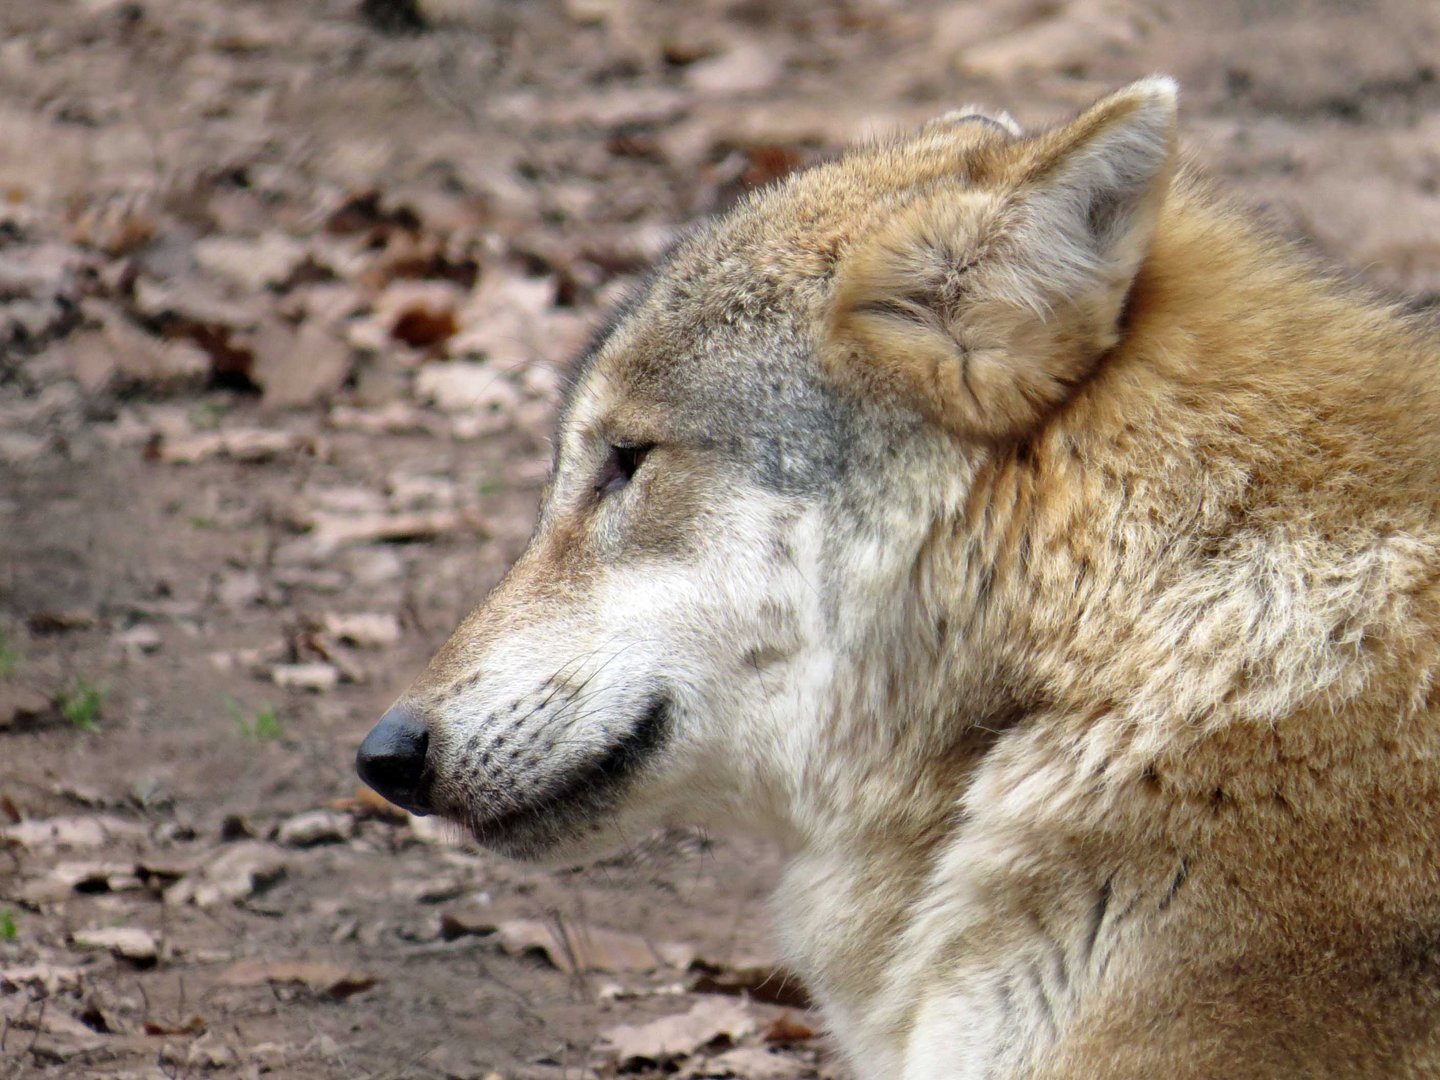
column 588, row 792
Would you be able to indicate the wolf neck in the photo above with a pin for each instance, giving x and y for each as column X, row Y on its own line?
column 1102, row 595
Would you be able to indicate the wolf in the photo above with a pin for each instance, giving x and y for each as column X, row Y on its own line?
column 1048, row 557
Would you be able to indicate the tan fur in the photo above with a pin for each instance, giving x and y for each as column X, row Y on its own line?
column 1113, row 746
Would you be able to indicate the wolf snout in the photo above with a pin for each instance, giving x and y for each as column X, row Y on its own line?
column 392, row 759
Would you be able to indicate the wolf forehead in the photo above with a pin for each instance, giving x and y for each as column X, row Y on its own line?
column 719, row 346
column 737, row 379
column 751, row 399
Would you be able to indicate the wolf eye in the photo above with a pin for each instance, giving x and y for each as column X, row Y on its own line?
column 619, row 467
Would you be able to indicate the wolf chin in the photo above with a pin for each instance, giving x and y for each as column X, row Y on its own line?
column 1048, row 558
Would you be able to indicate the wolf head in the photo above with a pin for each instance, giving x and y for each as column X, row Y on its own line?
column 731, row 605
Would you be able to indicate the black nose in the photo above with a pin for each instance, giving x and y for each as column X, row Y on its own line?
column 392, row 759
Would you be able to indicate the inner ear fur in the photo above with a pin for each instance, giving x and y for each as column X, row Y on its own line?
column 985, row 307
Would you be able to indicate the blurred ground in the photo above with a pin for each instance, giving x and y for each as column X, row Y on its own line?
column 283, row 292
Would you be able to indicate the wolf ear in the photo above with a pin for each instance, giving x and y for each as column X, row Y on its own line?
column 1089, row 207
column 988, row 304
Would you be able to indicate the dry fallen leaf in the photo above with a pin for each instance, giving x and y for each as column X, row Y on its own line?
column 749, row 1063
column 368, row 212
column 127, row 942
column 194, row 1026
column 91, row 831
column 295, row 369
column 747, row 68
column 90, row 359
column 49, row 978
column 420, row 314
column 59, row 622
column 320, row 977
column 392, row 418
column 237, row 444
column 117, row 225
column 22, row 705
column 420, row 327
column 192, row 305
column 236, row 872
column 64, row 879
column 147, row 359
column 316, row 827
column 210, row 1051
column 710, row 1023
column 317, row 677
column 510, row 319
column 363, row 629
column 570, row 946
column 64, row 1036
column 250, row 265
column 335, row 531
column 138, row 640
column 465, row 386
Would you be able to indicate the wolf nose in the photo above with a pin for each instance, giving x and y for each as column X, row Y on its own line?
column 392, row 759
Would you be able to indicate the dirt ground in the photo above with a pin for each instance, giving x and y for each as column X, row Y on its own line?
column 284, row 290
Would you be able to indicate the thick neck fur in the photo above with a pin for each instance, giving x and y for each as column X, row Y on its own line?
column 1188, row 579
